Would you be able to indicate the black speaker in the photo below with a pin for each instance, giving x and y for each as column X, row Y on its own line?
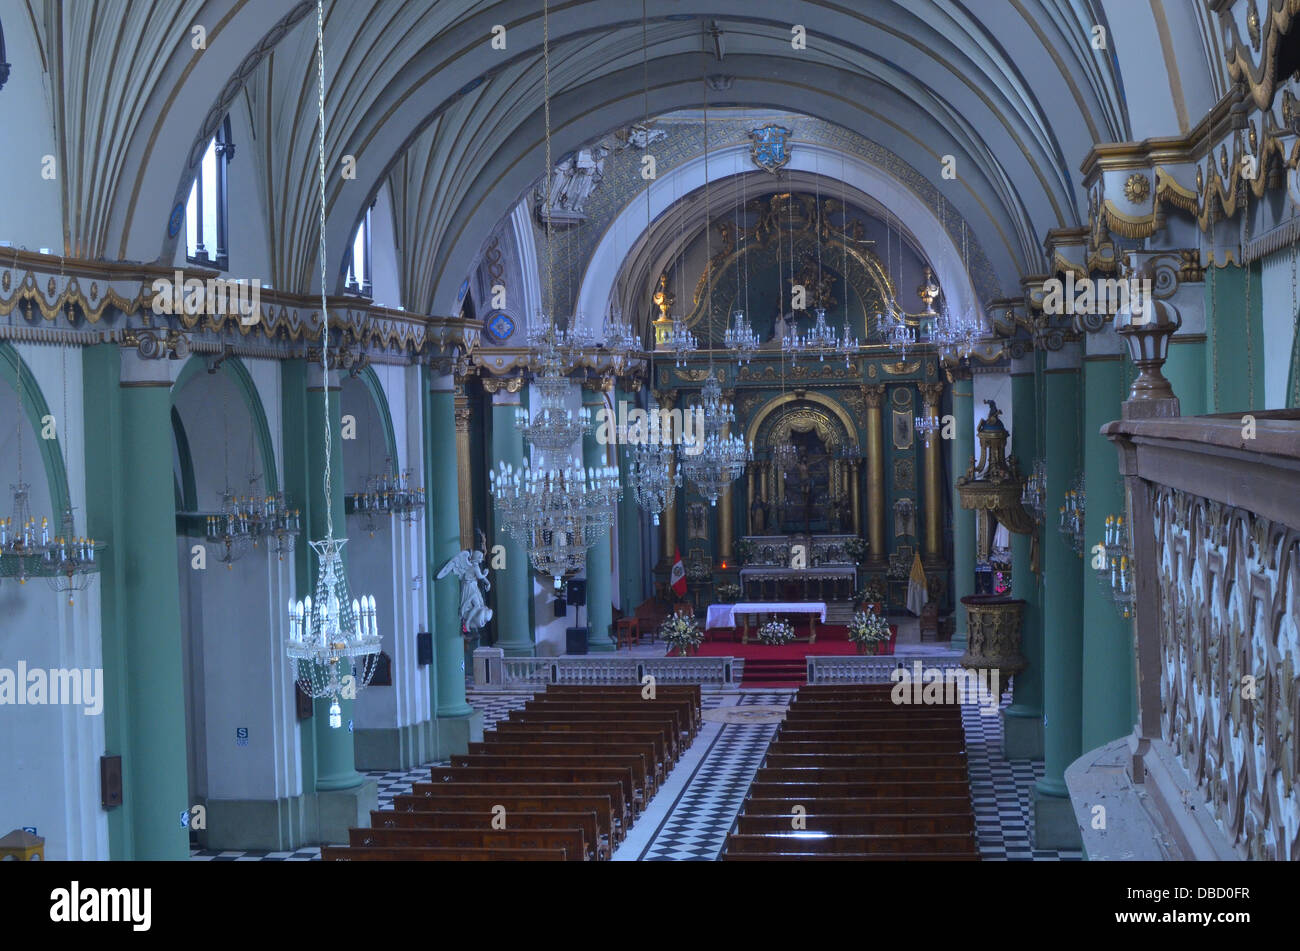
column 423, row 648
column 575, row 640
column 561, row 607
column 578, row 591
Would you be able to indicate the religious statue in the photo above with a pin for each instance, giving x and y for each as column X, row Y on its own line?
column 468, row 567
column 572, row 182
column 758, row 516
column 993, row 421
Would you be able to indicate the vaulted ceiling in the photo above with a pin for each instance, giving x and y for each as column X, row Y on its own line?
column 1013, row 91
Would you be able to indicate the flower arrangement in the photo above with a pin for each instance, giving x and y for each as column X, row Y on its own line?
column 776, row 632
column 857, row 549
column 867, row 628
column 698, row 571
column 681, row 631
column 873, row 592
column 744, row 550
column 728, row 593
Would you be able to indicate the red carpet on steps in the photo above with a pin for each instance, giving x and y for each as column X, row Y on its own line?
column 769, row 665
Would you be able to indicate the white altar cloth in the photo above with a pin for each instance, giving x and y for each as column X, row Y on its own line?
column 724, row 615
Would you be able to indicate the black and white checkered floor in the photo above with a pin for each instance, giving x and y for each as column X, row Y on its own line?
column 689, row 818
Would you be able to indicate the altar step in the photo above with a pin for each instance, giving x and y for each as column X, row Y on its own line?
column 763, row 672
column 839, row 612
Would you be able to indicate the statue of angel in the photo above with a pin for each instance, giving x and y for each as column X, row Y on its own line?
column 468, row 567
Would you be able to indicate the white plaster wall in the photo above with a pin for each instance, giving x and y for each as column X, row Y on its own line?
column 51, row 753
column 385, row 280
column 1280, row 273
column 31, row 213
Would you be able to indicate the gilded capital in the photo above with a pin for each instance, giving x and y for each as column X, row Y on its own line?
column 874, row 393
column 931, row 393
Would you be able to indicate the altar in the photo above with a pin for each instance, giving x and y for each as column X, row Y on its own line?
column 724, row 615
column 827, row 582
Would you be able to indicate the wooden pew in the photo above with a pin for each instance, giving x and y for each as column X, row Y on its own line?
column 485, row 782
column 806, row 792
column 687, row 692
column 846, row 857
column 909, row 845
column 586, row 822
column 541, row 745
column 876, row 747
column 678, row 712
column 334, row 853
column 836, row 761
column 960, row 824
column 420, row 806
column 512, row 733
column 541, row 774
column 864, row 775
column 575, row 793
column 642, row 777
column 881, row 806
column 558, row 721
column 825, row 735
column 569, row 841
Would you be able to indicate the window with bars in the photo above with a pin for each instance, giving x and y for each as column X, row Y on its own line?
column 205, row 213
column 359, row 276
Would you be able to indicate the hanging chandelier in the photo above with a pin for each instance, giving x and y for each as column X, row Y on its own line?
column 556, row 514
column 391, row 495
column 926, row 425
column 1072, row 515
column 332, row 636
column 619, row 335
column 232, row 528
column 554, row 427
column 741, row 338
column 713, row 462
column 71, row 559
column 1034, row 496
column 1116, row 564
column 651, row 474
column 23, row 543
column 681, row 341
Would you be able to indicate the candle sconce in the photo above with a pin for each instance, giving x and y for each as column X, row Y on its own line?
column 1114, row 564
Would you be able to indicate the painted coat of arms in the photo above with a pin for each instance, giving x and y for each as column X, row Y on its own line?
column 770, row 147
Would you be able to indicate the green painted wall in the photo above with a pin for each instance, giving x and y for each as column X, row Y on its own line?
column 1235, row 351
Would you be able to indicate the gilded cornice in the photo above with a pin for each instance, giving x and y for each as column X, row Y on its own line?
column 1253, row 62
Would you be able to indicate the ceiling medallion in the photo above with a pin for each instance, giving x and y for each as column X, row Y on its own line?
column 1137, row 189
column 770, row 147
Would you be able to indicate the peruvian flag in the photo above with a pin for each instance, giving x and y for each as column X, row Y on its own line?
column 677, row 578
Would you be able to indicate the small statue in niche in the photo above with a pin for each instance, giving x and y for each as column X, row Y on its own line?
column 758, row 516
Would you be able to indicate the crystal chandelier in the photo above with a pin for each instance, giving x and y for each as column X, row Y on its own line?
column 784, row 456
column 618, row 334
column 554, row 428
column 740, row 337
column 70, row 561
column 1114, row 564
column 681, row 341
column 1072, row 515
column 23, row 543
column 711, row 464
column 332, row 636
column 556, row 514
column 651, row 475
column 232, row 529
column 278, row 525
column 391, row 495
column 1034, row 495
column 925, row 425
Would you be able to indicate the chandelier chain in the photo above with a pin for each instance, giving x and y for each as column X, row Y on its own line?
column 324, row 304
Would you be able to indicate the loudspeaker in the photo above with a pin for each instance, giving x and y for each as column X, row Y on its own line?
column 561, row 607
column 578, row 591
column 303, row 706
column 423, row 648
column 575, row 640
column 110, row 779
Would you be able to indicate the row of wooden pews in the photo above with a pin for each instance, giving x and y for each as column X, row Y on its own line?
column 560, row 780
column 850, row 775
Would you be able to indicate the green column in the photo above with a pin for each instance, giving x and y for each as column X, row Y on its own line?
column 1108, row 662
column 631, row 571
column 513, row 583
column 128, row 436
column 335, row 754
column 1185, row 371
column 1234, row 358
column 1022, row 722
column 599, row 568
column 963, row 520
column 443, row 525
column 1054, row 821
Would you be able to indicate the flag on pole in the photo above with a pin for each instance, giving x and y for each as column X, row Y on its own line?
column 677, row 579
column 917, row 595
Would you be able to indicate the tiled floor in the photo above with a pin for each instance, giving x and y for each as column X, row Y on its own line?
column 689, row 818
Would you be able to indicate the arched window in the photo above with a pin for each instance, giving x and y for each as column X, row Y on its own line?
column 205, row 213
column 359, row 277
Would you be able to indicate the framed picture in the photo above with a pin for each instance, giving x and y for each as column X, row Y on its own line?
column 904, row 430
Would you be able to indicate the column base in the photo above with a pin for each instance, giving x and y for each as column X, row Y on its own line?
column 392, row 748
column 960, row 641
column 337, row 812
column 1055, row 824
column 454, row 734
column 516, row 648
column 276, row 825
column 1022, row 736
column 600, row 647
